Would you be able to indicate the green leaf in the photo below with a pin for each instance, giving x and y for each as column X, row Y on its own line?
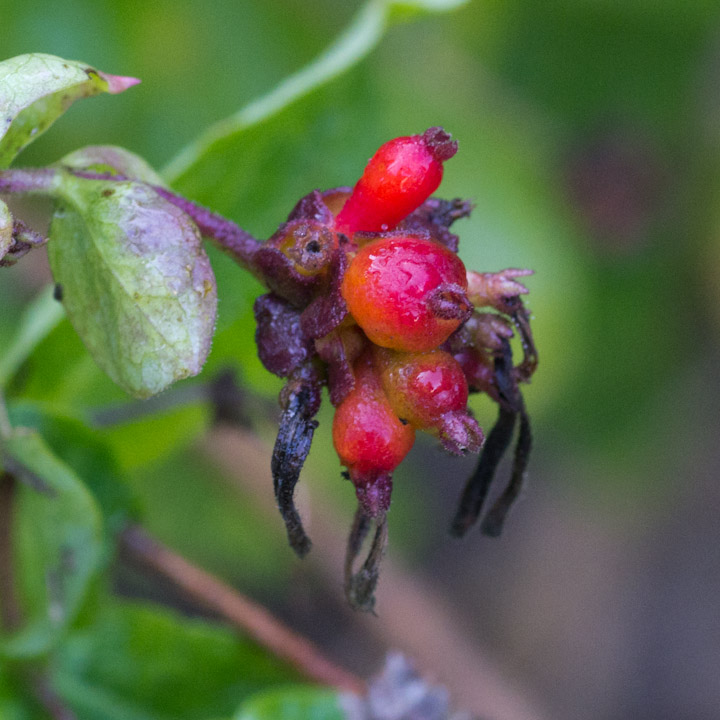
column 142, row 663
column 363, row 34
column 58, row 540
column 89, row 456
column 137, row 285
column 38, row 320
column 6, row 228
column 60, row 372
column 139, row 441
column 14, row 704
column 114, row 160
column 292, row 703
column 36, row 89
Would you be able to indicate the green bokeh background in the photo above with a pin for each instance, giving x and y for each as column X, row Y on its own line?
column 589, row 144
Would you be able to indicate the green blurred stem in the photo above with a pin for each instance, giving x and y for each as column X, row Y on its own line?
column 253, row 619
column 38, row 320
column 358, row 39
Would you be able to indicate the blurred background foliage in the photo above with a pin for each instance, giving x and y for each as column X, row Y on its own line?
column 589, row 143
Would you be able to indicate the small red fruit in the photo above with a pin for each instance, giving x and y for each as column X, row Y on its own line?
column 430, row 392
column 401, row 175
column 406, row 293
column 370, row 439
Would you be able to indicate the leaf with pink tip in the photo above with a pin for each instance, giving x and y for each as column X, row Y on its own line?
column 36, row 89
column 118, row 83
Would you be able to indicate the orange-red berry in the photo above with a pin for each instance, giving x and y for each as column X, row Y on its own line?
column 430, row 392
column 406, row 293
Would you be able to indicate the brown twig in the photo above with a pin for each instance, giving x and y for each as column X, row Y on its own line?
column 243, row 613
column 414, row 617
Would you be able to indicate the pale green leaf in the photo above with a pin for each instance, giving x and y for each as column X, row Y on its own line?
column 58, row 540
column 137, row 284
column 35, row 89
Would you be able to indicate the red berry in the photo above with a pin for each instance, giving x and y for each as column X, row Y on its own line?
column 401, row 175
column 429, row 390
column 406, row 293
column 422, row 386
column 370, row 439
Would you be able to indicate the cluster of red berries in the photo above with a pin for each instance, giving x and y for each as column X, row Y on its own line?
column 369, row 298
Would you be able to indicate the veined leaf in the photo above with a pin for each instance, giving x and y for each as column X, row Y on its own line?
column 137, row 284
column 35, row 89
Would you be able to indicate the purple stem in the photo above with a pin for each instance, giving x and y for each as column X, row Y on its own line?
column 229, row 237
column 26, row 180
column 225, row 233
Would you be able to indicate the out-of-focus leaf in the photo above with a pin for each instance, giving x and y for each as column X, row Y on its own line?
column 292, row 703
column 58, row 537
column 137, row 285
column 114, row 160
column 138, row 663
column 189, row 505
column 138, row 442
column 40, row 317
column 88, row 455
column 35, row 89
column 363, row 34
column 61, row 372
column 13, row 704
column 6, row 228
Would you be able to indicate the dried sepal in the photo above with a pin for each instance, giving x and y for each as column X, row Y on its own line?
column 300, row 401
column 360, row 586
column 282, row 345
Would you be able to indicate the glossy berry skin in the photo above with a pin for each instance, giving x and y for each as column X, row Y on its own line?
column 401, row 175
column 406, row 293
column 370, row 439
column 421, row 387
column 430, row 392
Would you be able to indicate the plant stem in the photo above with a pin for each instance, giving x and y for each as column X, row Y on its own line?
column 243, row 613
column 26, row 180
column 226, row 234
